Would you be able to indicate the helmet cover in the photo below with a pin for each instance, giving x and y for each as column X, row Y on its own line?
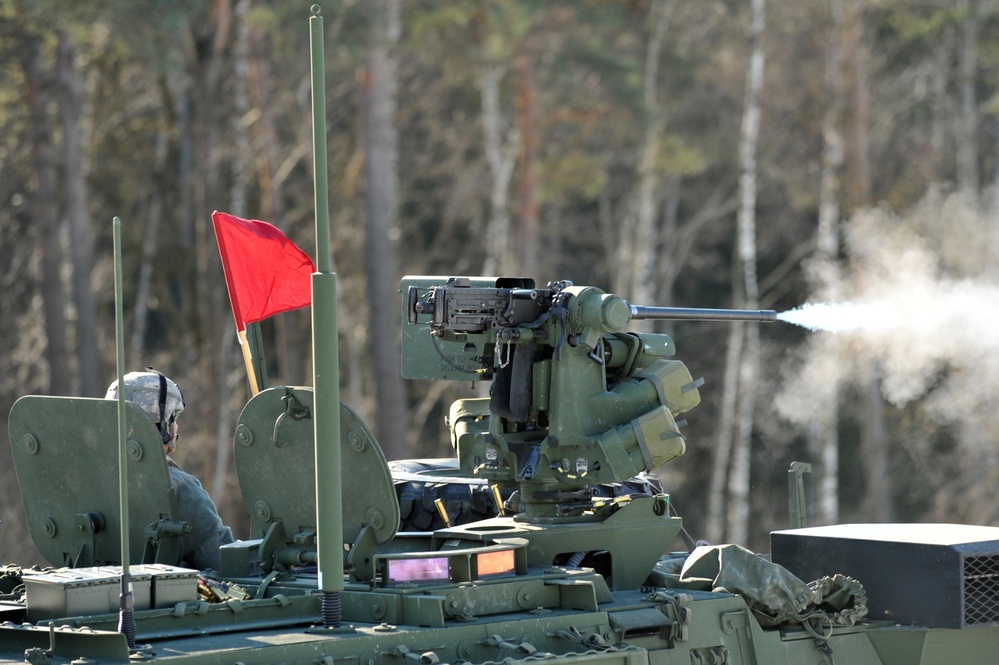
column 154, row 393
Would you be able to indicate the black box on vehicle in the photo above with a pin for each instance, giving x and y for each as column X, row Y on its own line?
column 933, row 575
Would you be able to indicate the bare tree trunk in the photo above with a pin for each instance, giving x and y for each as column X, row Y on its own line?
column 70, row 102
column 858, row 166
column 715, row 528
column 45, row 214
column 824, row 435
column 150, row 239
column 939, row 122
column 501, row 155
column 873, row 435
column 203, row 302
column 227, row 369
column 529, row 220
column 995, row 177
column 967, row 146
column 666, row 266
column 738, row 487
column 623, row 236
column 832, row 149
column 382, row 185
column 288, row 330
column 209, row 300
column 642, row 265
column 183, row 210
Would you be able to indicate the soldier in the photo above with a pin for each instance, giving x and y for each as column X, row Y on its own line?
column 161, row 400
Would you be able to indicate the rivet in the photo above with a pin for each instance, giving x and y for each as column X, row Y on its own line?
column 134, row 449
column 244, row 435
column 357, row 441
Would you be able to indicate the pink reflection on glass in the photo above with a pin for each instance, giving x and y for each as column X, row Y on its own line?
column 411, row 570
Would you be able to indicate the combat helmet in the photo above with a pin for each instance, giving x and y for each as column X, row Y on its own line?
column 155, row 394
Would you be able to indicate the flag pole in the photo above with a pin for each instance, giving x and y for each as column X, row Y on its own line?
column 325, row 357
column 244, row 344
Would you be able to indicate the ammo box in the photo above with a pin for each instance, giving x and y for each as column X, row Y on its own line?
column 70, row 592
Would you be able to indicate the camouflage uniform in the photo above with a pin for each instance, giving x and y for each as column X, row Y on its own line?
column 161, row 400
column 208, row 533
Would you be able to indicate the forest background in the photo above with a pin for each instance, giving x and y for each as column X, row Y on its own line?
column 710, row 153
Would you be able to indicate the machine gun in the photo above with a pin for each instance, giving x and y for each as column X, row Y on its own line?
column 575, row 400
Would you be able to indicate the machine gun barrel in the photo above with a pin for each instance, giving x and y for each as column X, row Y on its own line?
column 639, row 312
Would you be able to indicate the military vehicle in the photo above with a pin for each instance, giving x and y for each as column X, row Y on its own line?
column 565, row 572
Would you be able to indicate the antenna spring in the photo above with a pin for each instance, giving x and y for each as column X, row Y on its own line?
column 126, row 626
column 331, row 609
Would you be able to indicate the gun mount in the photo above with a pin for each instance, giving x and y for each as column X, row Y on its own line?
column 575, row 400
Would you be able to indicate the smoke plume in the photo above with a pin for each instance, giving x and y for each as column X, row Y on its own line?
column 917, row 304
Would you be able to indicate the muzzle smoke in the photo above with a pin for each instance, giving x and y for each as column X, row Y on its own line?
column 917, row 305
column 841, row 317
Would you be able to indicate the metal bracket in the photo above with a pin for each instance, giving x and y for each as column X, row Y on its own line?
column 360, row 559
column 87, row 525
column 528, row 455
column 164, row 538
column 293, row 409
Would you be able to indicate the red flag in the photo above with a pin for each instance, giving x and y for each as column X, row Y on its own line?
column 265, row 272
